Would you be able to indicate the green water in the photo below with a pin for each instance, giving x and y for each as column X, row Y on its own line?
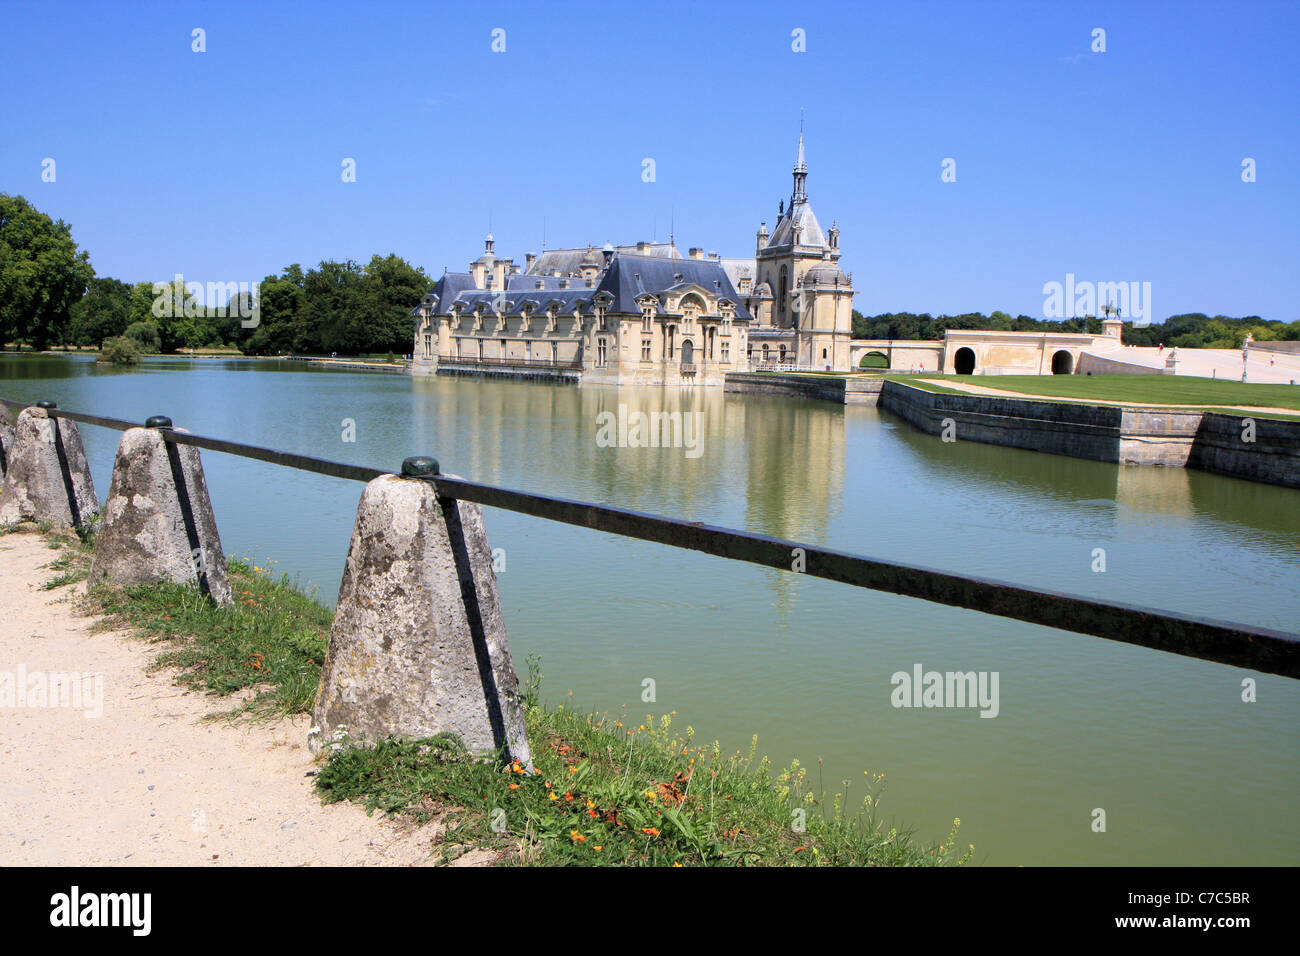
column 1186, row 772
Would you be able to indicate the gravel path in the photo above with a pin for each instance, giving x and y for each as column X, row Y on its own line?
column 147, row 781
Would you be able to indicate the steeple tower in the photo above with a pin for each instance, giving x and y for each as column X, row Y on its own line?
column 800, row 176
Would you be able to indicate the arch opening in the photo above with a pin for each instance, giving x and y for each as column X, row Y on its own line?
column 1062, row 363
column 963, row 362
column 874, row 360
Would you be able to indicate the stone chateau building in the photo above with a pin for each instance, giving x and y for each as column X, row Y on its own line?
column 645, row 314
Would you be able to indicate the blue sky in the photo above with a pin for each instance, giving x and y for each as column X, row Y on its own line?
column 1115, row 166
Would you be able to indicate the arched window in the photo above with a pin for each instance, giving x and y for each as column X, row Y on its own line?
column 784, row 283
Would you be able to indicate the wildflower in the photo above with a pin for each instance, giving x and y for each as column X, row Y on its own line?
column 552, row 796
column 573, row 770
column 514, row 786
column 675, row 863
column 577, row 837
column 597, row 847
column 650, row 831
column 568, row 798
column 591, row 804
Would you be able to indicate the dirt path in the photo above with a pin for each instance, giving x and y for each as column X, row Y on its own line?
column 148, row 782
column 1007, row 393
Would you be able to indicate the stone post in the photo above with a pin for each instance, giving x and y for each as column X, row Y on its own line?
column 6, row 438
column 158, row 523
column 418, row 645
column 46, row 475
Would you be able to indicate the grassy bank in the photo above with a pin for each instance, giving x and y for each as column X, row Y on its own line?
column 603, row 790
column 1147, row 389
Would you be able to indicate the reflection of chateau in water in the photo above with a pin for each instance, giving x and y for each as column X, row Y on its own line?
column 771, row 465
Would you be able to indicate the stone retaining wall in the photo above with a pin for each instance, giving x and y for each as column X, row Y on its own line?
column 1209, row 441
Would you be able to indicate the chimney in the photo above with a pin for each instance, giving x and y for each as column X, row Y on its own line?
column 564, row 283
column 696, row 253
column 713, row 255
column 529, row 259
column 641, row 249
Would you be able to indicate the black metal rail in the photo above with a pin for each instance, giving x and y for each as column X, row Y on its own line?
column 1239, row 645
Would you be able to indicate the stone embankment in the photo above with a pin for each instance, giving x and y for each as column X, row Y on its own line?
column 1256, row 449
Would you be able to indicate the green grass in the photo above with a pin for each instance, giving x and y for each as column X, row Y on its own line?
column 600, row 793
column 1202, row 393
column 270, row 643
column 1155, row 389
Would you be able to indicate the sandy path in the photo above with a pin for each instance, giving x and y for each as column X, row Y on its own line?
column 148, row 783
column 1007, row 393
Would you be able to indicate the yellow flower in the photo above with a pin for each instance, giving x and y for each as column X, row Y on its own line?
column 675, row 863
column 552, row 796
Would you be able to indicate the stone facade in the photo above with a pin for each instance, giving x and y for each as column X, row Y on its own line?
column 645, row 314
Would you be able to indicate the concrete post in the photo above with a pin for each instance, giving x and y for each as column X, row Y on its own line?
column 47, row 478
column 418, row 645
column 158, row 523
column 6, row 438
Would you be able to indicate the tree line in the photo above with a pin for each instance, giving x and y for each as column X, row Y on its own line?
column 50, row 297
column 1191, row 330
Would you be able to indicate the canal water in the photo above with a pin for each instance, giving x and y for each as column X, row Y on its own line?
column 1184, row 770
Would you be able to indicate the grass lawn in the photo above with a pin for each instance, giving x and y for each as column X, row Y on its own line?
column 1153, row 389
column 604, row 789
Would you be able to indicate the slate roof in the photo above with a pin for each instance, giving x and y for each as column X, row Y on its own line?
column 811, row 233
column 569, row 260
column 629, row 276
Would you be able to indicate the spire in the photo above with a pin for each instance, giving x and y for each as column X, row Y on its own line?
column 800, row 173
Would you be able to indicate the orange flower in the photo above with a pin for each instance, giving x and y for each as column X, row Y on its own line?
column 552, row 796
column 568, row 798
column 514, row 786
column 577, row 837
column 597, row 847
column 652, row 831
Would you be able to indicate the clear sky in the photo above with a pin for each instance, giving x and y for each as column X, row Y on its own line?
column 1125, row 165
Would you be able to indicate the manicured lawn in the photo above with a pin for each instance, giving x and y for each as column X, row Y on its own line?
column 1153, row 389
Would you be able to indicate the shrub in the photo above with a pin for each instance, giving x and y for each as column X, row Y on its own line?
column 119, row 350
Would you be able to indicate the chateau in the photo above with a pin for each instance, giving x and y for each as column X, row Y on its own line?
column 644, row 314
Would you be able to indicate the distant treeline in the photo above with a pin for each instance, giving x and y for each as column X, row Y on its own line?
column 51, row 297
column 336, row 307
column 1193, row 330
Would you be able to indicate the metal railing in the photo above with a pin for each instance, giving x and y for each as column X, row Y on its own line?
column 1238, row 645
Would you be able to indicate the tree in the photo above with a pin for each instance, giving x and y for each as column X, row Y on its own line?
column 42, row 274
column 145, row 335
column 104, row 311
